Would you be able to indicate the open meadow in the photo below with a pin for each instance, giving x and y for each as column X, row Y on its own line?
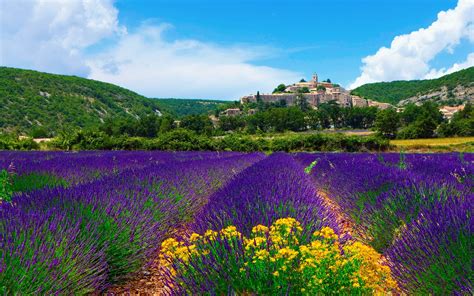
column 191, row 223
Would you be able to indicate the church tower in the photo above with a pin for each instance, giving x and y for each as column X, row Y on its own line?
column 315, row 77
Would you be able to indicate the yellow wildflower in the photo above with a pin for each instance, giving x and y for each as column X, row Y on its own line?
column 194, row 237
column 230, row 232
column 210, row 234
column 260, row 229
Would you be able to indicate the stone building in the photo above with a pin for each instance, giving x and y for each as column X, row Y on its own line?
column 379, row 105
column 232, row 112
column 449, row 111
column 359, row 102
column 319, row 93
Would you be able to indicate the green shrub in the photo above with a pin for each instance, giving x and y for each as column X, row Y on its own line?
column 6, row 186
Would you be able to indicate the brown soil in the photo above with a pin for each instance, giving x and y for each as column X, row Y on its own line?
column 347, row 225
column 149, row 280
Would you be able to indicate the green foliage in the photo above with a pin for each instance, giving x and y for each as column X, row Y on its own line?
column 185, row 140
column 231, row 123
column 148, row 126
column 461, row 125
column 40, row 132
column 387, row 123
column 6, row 186
column 180, row 140
column 394, row 92
column 310, row 167
column 10, row 142
column 321, row 87
column 421, row 121
column 185, row 107
column 277, row 119
column 280, row 88
column 30, row 99
column 303, row 90
column 198, row 123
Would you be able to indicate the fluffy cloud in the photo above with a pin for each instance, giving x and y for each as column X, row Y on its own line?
column 409, row 55
column 144, row 61
column 469, row 62
column 57, row 36
column 50, row 35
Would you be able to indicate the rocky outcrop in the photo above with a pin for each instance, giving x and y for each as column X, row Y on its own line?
column 461, row 93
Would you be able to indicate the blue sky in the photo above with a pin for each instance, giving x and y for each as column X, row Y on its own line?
column 225, row 49
column 329, row 37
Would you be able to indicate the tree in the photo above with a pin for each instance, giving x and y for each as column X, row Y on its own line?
column 410, row 114
column 422, row 128
column 321, row 87
column 302, row 102
column 421, row 121
column 201, row 124
column 281, row 119
column 462, row 124
column 387, row 123
column 358, row 117
column 303, row 90
column 333, row 111
column 231, row 123
column 167, row 124
column 39, row 132
column 279, row 89
column 148, row 126
column 302, row 80
column 256, row 123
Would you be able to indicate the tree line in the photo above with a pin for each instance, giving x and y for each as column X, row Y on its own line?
column 425, row 121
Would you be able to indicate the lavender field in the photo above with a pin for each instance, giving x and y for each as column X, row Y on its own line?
column 237, row 223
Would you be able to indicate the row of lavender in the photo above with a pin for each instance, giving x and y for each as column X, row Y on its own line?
column 268, row 192
column 74, row 168
column 111, row 215
column 416, row 209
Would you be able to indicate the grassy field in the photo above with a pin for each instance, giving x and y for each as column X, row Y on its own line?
column 465, row 144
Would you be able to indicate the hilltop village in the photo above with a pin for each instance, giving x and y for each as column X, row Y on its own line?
column 315, row 92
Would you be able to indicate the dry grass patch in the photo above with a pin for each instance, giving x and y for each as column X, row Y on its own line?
column 433, row 142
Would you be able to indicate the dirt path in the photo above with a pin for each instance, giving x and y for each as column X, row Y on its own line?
column 149, row 280
column 348, row 227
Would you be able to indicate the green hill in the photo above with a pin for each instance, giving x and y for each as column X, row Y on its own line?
column 30, row 100
column 183, row 107
column 396, row 91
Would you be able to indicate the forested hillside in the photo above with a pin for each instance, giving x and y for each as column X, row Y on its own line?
column 455, row 86
column 184, row 107
column 32, row 100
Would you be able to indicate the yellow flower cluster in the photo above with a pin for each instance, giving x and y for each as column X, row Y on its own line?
column 327, row 233
column 285, row 231
column 312, row 267
column 172, row 250
column 374, row 275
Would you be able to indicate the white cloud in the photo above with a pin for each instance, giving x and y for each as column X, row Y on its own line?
column 409, row 55
column 469, row 62
column 50, row 35
column 145, row 62
column 56, row 36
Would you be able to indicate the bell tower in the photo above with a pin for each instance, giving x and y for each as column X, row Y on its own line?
column 315, row 78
